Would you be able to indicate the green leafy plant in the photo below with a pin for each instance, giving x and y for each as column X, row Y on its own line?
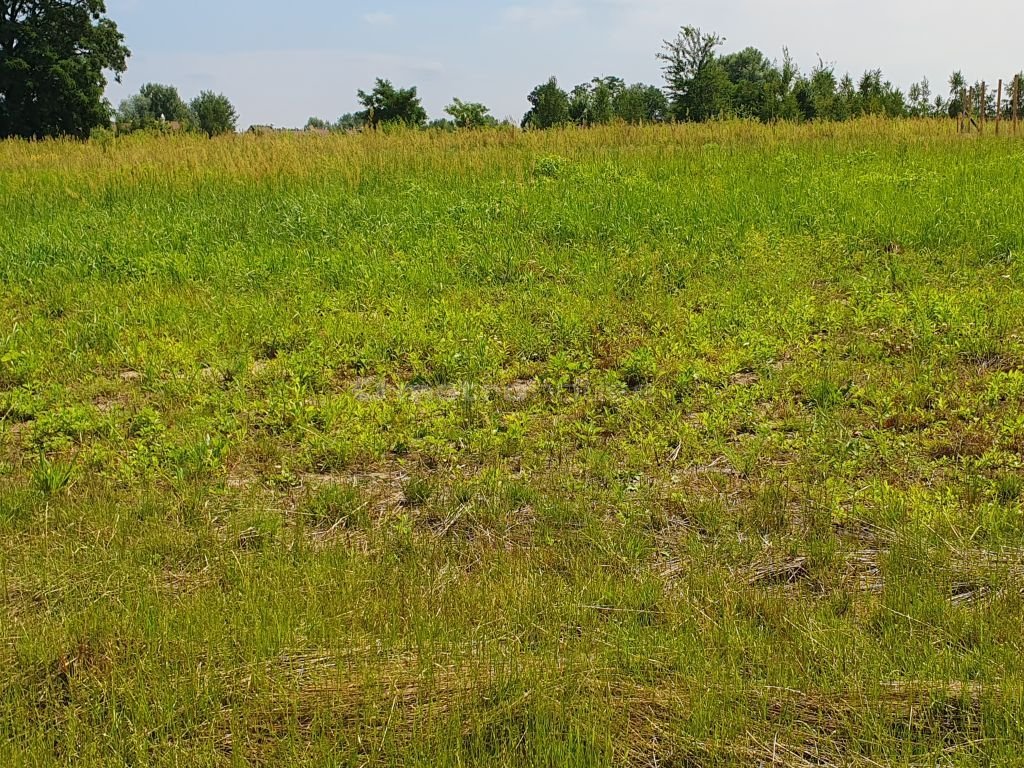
column 51, row 477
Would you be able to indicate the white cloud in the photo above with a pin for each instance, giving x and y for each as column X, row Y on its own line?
column 379, row 18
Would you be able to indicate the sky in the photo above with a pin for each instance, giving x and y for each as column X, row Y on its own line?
column 282, row 62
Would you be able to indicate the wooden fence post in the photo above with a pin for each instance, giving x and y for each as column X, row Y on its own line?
column 981, row 109
column 999, row 105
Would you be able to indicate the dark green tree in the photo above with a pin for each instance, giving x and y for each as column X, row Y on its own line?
column 549, row 106
column 817, row 96
column 1015, row 91
column 165, row 102
column 213, row 113
column 469, row 114
column 825, row 102
column 804, row 96
column 593, row 103
column 603, row 93
column 53, row 55
column 847, row 97
column 350, row 121
column 957, row 91
column 919, row 99
column 579, row 104
column 878, row 97
column 387, row 104
column 641, row 103
column 134, row 113
column 749, row 72
column 697, row 84
column 782, row 103
column 153, row 105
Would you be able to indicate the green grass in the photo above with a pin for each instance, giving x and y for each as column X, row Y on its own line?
column 689, row 446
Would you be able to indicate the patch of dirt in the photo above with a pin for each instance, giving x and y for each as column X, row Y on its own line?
column 260, row 367
column 238, row 481
column 428, row 392
column 745, row 379
column 108, row 403
column 211, row 374
column 716, row 478
column 369, row 388
column 968, row 444
column 383, row 486
column 521, row 390
column 994, row 362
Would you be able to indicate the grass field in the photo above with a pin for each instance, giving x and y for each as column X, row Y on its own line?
column 678, row 446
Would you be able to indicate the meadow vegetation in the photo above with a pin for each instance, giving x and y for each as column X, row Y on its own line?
column 689, row 445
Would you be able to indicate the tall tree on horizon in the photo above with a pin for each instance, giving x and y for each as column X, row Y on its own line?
column 957, row 87
column 166, row 102
column 823, row 88
column 919, row 99
column 697, row 83
column 469, row 114
column 153, row 105
column 593, row 103
column 749, row 72
column 53, row 58
column 388, row 104
column 640, row 103
column 549, row 106
column 214, row 114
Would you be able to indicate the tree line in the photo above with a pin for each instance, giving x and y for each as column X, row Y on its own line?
column 701, row 84
column 54, row 56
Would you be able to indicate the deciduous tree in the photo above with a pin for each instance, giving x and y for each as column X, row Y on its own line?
column 957, row 88
column 53, row 56
column 639, row 103
column 165, row 102
column 213, row 113
column 697, row 84
column 549, row 106
column 919, row 99
column 387, row 104
column 749, row 72
column 469, row 114
column 154, row 104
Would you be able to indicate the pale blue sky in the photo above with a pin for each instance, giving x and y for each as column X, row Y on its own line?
column 281, row 62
